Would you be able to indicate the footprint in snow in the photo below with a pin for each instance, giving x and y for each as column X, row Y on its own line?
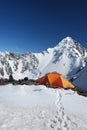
column 37, row 90
column 61, row 121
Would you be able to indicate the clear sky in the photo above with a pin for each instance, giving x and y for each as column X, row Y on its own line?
column 35, row 25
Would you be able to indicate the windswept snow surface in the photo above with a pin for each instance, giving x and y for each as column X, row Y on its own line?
column 40, row 108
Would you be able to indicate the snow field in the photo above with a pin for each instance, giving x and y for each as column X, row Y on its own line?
column 40, row 108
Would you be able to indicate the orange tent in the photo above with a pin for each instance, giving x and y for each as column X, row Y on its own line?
column 55, row 79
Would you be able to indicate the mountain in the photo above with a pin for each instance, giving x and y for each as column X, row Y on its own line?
column 67, row 58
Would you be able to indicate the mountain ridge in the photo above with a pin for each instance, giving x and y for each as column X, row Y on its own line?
column 67, row 57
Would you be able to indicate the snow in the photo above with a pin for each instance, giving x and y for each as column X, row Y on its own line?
column 68, row 38
column 40, row 108
column 44, row 59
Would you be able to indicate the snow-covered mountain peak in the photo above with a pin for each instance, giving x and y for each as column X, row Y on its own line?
column 68, row 42
column 66, row 58
column 72, row 46
column 67, row 39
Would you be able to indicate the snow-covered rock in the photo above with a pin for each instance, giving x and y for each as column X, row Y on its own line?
column 18, row 65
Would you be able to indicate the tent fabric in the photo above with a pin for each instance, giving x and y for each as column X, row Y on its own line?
column 55, row 79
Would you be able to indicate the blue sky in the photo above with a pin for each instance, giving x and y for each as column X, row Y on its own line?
column 35, row 25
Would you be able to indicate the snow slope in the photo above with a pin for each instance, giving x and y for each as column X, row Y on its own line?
column 40, row 108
